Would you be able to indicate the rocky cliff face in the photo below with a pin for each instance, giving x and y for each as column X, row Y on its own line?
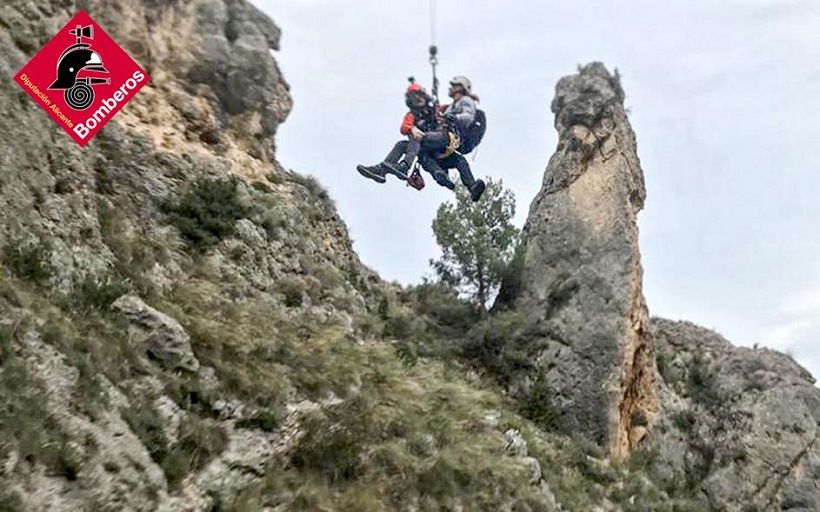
column 581, row 282
column 739, row 425
column 212, row 106
column 111, row 406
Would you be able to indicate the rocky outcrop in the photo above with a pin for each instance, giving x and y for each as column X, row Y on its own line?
column 739, row 425
column 162, row 336
column 580, row 287
column 212, row 107
column 517, row 447
column 210, row 111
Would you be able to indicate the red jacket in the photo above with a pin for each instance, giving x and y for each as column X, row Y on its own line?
column 410, row 121
column 407, row 123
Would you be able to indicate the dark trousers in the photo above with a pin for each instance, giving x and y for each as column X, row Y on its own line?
column 398, row 150
column 433, row 143
column 433, row 165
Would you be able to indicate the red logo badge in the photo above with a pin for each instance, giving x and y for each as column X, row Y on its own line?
column 82, row 78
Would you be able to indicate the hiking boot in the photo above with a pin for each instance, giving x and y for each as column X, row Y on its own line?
column 374, row 173
column 476, row 190
column 400, row 169
column 443, row 179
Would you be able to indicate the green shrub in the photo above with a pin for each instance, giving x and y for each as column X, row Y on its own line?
column 198, row 440
column 234, row 339
column 499, row 344
column 367, row 325
column 275, row 177
column 399, row 325
column 701, row 382
column 407, row 351
column 95, row 293
column 293, row 288
column 24, row 420
column 188, row 393
column 29, row 262
column 442, row 304
column 146, row 423
column 134, row 254
column 312, row 184
column 273, row 221
column 332, row 445
column 685, row 421
column 103, row 180
column 329, row 277
column 64, row 459
column 265, row 420
column 537, row 404
column 261, row 187
column 207, row 213
column 10, row 501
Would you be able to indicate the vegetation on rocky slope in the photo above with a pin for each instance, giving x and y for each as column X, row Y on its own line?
column 396, row 410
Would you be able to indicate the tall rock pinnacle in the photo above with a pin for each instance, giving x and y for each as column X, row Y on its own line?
column 581, row 284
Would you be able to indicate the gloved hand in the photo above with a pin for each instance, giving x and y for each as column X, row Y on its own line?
column 450, row 118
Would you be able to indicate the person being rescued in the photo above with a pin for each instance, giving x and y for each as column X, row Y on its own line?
column 420, row 117
column 433, row 137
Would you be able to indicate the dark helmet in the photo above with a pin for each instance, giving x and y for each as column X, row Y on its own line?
column 416, row 97
column 74, row 59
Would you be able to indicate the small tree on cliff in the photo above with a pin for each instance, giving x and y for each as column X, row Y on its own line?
column 477, row 241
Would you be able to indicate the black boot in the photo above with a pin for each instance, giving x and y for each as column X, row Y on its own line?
column 374, row 173
column 476, row 190
column 400, row 170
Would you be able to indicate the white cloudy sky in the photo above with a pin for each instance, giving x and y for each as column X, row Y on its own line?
column 724, row 97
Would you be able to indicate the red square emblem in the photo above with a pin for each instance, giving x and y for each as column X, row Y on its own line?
column 82, row 78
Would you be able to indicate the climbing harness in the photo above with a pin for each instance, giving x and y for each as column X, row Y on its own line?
column 453, row 143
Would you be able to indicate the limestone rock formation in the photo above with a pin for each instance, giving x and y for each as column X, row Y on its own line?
column 162, row 336
column 739, row 425
column 580, row 287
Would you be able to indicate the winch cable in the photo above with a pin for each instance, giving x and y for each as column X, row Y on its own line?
column 433, row 49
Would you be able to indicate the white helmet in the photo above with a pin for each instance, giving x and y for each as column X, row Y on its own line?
column 462, row 81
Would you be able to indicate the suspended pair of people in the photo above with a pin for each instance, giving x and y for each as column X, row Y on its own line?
column 439, row 139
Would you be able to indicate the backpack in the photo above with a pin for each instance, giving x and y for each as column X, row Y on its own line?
column 473, row 135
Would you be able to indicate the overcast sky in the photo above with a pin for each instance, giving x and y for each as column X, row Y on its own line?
column 724, row 97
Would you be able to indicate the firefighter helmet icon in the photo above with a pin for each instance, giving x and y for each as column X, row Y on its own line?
column 79, row 57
